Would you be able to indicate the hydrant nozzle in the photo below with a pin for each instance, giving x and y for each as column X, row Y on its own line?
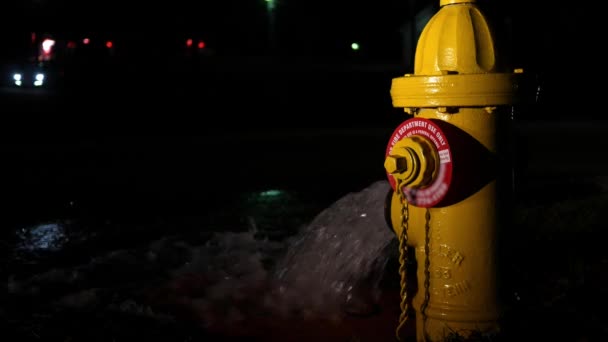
column 412, row 161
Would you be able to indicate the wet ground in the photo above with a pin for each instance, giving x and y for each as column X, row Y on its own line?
column 90, row 271
column 95, row 224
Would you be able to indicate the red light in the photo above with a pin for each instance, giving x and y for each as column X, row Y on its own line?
column 201, row 44
column 71, row 45
column 109, row 44
column 86, row 41
column 47, row 45
column 189, row 42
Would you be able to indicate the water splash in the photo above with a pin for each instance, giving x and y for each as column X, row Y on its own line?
column 336, row 260
column 341, row 252
column 229, row 277
column 47, row 236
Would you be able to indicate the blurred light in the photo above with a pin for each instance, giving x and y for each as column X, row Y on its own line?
column 201, row 44
column 271, row 193
column 18, row 83
column 86, row 41
column 189, row 42
column 109, row 44
column 71, row 45
column 39, row 80
column 354, row 46
column 33, row 37
column 47, row 45
column 17, row 77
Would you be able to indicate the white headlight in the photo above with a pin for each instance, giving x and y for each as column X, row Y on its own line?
column 17, row 77
column 40, row 77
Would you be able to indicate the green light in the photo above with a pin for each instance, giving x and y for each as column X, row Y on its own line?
column 354, row 46
column 271, row 193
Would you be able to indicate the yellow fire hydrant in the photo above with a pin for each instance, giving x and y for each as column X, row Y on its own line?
column 444, row 165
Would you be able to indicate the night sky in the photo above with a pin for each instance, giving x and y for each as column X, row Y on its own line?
column 531, row 32
column 545, row 38
column 237, row 26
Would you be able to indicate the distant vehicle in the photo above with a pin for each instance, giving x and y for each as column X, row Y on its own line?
column 30, row 75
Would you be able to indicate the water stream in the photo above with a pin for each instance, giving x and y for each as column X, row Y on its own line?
column 325, row 268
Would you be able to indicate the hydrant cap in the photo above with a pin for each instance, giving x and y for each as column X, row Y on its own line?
column 451, row 2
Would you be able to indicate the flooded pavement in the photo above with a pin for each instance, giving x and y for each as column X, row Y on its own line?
column 207, row 277
column 187, row 278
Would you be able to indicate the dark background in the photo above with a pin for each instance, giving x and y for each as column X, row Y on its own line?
column 541, row 35
column 557, row 45
column 153, row 132
column 151, row 117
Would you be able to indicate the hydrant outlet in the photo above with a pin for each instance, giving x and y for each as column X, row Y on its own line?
column 413, row 162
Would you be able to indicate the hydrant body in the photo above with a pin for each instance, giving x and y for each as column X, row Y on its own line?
column 456, row 98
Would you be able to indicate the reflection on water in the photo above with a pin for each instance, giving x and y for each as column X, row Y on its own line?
column 46, row 236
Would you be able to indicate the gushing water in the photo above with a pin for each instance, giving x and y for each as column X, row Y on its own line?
column 334, row 263
column 342, row 251
column 335, row 260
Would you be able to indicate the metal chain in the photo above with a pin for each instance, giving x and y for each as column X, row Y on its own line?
column 403, row 254
column 427, row 271
column 403, row 259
